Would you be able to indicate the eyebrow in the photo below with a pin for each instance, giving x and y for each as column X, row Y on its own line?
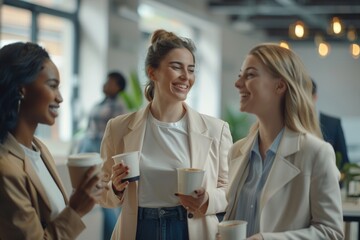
column 248, row 68
column 180, row 63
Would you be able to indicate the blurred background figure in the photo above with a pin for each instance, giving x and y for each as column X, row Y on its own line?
column 111, row 106
column 332, row 132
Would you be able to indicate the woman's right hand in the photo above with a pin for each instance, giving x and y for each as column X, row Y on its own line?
column 119, row 172
column 84, row 198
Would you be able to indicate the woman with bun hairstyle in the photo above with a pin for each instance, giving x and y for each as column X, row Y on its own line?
column 169, row 135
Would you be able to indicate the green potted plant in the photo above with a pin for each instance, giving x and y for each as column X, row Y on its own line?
column 133, row 95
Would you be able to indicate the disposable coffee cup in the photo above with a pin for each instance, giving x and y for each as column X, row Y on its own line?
column 232, row 230
column 79, row 163
column 189, row 179
column 132, row 160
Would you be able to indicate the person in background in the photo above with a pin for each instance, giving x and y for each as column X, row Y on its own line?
column 169, row 134
column 332, row 132
column 33, row 202
column 282, row 177
column 111, row 106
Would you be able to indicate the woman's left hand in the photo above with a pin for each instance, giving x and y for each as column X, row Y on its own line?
column 197, row 202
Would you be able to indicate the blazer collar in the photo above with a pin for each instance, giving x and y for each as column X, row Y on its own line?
column 280, row 174
column 15, row 149
column 199, row 142
column 282, row 171
column 133, row 140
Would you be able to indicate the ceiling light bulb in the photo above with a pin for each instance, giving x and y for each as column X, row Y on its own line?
column 351, row 34
column 299, row 30
column 355, row 50
column 323, row 49
column 336, row 25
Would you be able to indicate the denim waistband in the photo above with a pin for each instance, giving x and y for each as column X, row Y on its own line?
column 178, row 212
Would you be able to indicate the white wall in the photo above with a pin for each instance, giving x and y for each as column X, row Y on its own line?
column 337, row 77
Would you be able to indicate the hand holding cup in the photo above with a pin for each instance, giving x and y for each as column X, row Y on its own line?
column 195, row 203
column 119, row 173
column 125, row 170
column 87, row 193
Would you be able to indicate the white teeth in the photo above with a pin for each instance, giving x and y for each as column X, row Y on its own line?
column 244, row 94
column 183, row 86
column 54, row 109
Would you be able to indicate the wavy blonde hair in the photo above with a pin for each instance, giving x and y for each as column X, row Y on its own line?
column 298, row 107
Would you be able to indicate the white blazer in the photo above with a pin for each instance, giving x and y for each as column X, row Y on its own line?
column 209, row 140
column 301, row 197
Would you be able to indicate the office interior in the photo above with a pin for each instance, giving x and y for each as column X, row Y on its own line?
column 88, row 38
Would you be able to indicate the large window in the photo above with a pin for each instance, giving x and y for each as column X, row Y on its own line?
column 55, row 31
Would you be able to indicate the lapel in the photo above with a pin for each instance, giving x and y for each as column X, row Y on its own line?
column 133, row 140
column 238, row 171
column 199, row 141
column 282, row 170
column 17, row 151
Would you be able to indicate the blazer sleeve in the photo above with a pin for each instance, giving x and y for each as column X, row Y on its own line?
column 217, row 196
column 107, row 150
column 19, row 218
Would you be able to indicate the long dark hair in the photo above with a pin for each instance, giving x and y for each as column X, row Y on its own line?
column 20, row 64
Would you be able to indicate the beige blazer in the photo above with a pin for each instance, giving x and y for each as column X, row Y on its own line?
column 301, row 197
column 209, row 140
column 24, row 206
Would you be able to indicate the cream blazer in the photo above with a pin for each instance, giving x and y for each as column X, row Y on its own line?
column 301, row 197
column 24, row 206
column 209, row 140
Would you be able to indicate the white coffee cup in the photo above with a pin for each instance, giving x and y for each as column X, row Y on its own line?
column 132, row 160
column 79, row 163
column 189, row 179
column 232, row 230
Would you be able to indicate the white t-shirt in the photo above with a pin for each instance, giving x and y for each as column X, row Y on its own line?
column 165, row 148
column 53, row 193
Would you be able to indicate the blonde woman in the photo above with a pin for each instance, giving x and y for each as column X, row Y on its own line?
column 283, row 179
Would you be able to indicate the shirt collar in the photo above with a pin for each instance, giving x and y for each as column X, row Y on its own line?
column 274, row 146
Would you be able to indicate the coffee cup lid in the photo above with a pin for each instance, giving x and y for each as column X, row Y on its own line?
column 84, row 159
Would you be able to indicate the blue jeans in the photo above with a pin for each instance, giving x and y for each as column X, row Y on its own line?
column 169, row 223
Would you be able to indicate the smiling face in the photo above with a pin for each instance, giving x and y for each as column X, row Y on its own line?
column 42, row 97
column 260, row 91
column 175, row 75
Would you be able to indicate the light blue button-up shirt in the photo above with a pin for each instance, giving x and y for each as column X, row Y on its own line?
column 249, row 199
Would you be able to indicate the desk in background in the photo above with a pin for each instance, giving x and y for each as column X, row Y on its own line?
column 351, row 213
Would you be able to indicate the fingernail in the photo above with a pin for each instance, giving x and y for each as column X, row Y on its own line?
column 196, row 191
column 176, row 194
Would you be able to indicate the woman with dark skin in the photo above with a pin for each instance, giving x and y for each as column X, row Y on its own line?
column 33, row 202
